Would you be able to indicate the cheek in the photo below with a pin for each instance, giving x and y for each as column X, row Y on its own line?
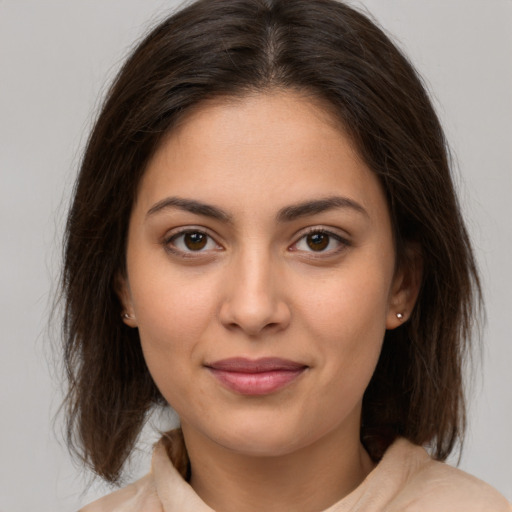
column 173, row 315
column 170, row 335
column 171, row 305
column 347, row 317
column 352, row 300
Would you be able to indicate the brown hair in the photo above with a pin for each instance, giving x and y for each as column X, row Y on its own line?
column 229, row 48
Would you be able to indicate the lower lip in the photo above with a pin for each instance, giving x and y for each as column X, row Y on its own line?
column 256, row 384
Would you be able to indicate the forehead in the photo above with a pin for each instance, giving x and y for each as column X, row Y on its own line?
column 281, row 147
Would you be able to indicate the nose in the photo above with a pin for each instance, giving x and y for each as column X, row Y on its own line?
column 254, row 296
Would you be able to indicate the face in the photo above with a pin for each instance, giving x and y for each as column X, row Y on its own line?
column 261, row 274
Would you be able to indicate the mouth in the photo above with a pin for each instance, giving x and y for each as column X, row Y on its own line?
column 256, row 377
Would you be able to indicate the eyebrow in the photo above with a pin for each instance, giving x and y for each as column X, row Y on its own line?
column 192, row 206
column 296, row 211
column 286, row 214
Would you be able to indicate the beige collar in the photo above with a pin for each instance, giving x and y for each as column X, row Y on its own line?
column 400, row 461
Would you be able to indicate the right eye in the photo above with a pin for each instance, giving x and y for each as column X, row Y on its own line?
column 191, row 241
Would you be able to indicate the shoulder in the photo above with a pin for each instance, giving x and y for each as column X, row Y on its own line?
column 137, row 497
column 436, row 486
column 163, row 489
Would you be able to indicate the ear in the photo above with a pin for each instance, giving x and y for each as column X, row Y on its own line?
column 406, row 287
column 122, row 288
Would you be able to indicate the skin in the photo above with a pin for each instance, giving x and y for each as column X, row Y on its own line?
column 257, row 289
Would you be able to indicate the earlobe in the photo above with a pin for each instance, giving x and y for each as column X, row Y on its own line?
column 406, row 287
column 122, row 288
column 129, row 319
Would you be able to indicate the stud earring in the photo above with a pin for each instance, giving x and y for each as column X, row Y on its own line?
column 127, row 316
column 400, row 316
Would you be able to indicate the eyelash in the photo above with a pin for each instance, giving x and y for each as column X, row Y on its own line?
column 343, row 242
column 169, row 242
column 170, row 246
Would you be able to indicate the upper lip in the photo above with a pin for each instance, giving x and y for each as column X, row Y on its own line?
column 264, row 364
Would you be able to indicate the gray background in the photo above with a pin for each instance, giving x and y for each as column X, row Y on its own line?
column 55, row 59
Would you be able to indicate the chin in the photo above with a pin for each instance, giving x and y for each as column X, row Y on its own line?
column 262, row 438
column 261, row 445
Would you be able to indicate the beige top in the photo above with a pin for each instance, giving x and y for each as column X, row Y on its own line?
column 406, row 480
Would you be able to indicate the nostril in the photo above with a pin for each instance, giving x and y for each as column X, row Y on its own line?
column 254, row 321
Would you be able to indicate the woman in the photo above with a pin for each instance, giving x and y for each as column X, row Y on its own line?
column 265, row 236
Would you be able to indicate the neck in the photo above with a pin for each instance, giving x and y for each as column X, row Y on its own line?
column 309, row 479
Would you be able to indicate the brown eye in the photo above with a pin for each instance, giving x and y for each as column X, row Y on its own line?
column 322, row 242
column 190, row 242
column 317, row 241
column 195, row 241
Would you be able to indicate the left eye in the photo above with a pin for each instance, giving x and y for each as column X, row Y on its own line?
column 191, row 241
column 319, row 241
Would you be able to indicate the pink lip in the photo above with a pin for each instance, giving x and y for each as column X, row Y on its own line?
column 256, row 377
